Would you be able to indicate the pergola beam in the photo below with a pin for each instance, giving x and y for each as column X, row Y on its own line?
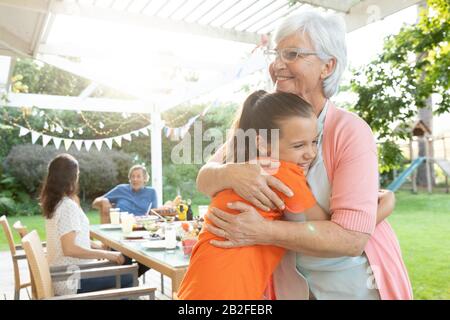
column 369, row 11
column 44, row 101
column 339, row 6
column 108, row 14
column 10, row 73
column 14, row 43
column 33, row 5
column 100, row 52
column 106, row 79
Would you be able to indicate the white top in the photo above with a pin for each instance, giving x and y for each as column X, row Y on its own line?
column 68, row 216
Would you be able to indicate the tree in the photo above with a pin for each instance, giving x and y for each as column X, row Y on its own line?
column 413, row 66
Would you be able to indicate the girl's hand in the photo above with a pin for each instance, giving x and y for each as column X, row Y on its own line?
column 251, row 183
column 386, row 204
column 245, row 229
column 115, row 256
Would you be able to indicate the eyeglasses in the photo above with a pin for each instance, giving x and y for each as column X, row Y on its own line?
column 289, row 55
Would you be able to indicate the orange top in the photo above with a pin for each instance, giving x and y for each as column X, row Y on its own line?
column 241, row 273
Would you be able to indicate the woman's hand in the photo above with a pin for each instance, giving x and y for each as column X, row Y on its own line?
column 115, row 256
column 98, row 245
column 252, row 183
column 245, row 229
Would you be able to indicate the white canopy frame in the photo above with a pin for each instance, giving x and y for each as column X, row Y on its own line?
column 25, row 26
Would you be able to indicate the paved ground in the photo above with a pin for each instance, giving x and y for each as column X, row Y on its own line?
column 152, row 279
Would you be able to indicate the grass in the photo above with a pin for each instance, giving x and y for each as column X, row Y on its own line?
column 36, row 223
column 420, row 221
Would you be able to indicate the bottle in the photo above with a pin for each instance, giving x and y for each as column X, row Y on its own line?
column 190, row 214
column 170, row 235
column 182, row 210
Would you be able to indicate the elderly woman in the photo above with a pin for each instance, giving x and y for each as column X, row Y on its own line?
column 348, row 256
column 134, row 198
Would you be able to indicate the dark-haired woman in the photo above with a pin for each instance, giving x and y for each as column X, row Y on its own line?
column 67, row 227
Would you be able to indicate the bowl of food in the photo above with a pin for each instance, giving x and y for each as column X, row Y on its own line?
column 151, row 226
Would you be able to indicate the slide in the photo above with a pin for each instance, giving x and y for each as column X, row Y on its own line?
column 397, row 183
column 445, row 166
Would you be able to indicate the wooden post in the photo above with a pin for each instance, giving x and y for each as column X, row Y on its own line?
column 156, row 153
column 414, row 175
column 445, row 158
column 428, row 163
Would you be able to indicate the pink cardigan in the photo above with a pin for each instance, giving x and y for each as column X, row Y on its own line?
column 350, row 156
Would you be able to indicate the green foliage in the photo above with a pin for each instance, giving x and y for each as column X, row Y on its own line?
column 413, row 65
column 99, row 171
column 13, row 199
column 44, row 78
column 181, row 177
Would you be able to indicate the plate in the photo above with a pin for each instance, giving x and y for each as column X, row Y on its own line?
column 155, row 245
column 110, row 226
column 136, row 235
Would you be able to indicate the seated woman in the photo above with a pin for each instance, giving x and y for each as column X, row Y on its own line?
column 67, row 227
column 135, row 197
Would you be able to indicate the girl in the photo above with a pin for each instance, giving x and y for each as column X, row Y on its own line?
column 244, row 273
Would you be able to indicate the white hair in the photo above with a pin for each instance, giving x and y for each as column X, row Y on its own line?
column 327, row 33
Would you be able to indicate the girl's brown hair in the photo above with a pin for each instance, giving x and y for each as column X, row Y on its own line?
column 262, row 110
column 61, row 181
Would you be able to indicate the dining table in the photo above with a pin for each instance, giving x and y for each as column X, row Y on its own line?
column 171, row 263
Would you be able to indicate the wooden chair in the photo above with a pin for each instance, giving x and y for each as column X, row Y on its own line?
column 23, row 231
column 20, row 229
column 16, row 255
column 44, row 279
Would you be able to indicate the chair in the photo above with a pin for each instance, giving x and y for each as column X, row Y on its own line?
column 44, row 279
column 16, row 255
column 20, row 229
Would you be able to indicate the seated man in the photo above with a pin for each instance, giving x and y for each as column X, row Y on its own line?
column 135, row 198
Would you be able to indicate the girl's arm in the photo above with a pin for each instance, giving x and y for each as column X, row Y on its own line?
column 386, row 204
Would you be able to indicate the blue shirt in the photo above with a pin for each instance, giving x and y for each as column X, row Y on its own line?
column 135, row 202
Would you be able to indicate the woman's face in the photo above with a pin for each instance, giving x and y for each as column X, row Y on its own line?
column 137, row 179
column 298, row 141
column 303, row 77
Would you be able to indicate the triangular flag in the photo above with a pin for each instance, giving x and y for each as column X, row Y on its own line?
column 118, row 140
column 88, row 144
column 34, row 136
column 98, row 144
column 144, row 131
column 127, row 136
column 78, row 144
column 67, row 143
column 46, row 140
column 23, row 131
column 57, row 142
column 109, row 143
column 136, row 133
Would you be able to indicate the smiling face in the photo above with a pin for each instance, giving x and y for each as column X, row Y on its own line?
column 137, row 179
column 303, row 77
column 298, row 141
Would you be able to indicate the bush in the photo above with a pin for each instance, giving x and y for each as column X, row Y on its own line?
column 13, row 200
column 99, row 171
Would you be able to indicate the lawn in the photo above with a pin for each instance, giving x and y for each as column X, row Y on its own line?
column 36, row 223
column 422, row 224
